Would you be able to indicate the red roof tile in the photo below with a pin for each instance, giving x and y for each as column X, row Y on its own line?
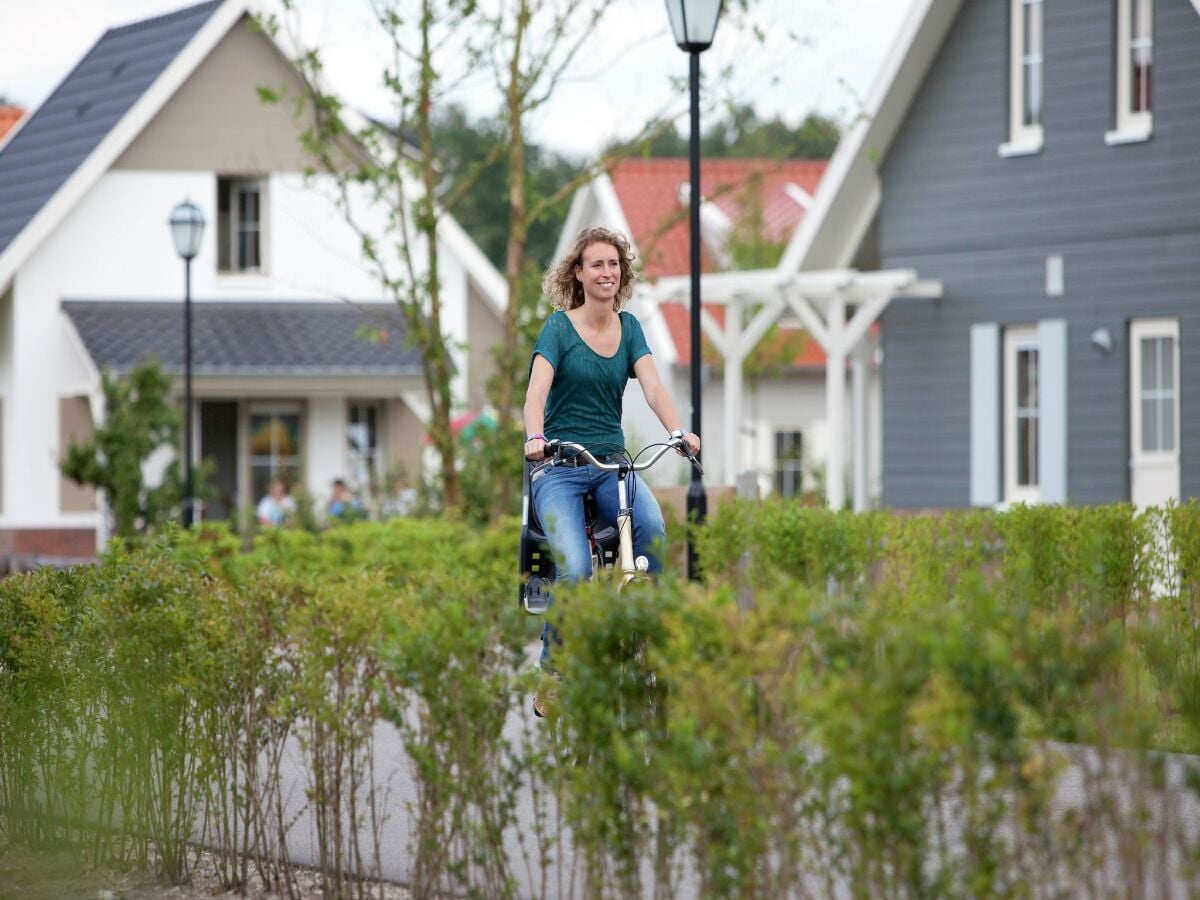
column 8, row 118
column 649, row 192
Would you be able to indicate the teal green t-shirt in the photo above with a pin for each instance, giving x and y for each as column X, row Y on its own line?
column 584, row 404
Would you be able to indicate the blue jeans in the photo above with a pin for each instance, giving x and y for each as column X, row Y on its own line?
column 558, row 500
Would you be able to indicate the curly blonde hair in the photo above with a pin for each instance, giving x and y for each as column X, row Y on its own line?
column 560, row 284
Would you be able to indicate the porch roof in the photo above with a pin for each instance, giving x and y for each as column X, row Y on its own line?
column 254, row 338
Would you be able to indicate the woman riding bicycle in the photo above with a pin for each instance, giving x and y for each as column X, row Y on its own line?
column 586, row 354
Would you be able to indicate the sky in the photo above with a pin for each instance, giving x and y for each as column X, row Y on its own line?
column 809, row 55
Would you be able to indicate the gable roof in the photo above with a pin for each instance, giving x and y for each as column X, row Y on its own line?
column 260, row 338
column 84, row 108
column 53, row 156
column 649, row 193
column 848, row 197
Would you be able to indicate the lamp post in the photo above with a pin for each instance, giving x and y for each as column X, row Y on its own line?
column 187, row 228
column 693, row 23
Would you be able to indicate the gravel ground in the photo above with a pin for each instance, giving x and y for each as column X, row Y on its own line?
column 49, row 875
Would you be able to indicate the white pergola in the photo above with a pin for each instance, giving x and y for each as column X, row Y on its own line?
column 837, row 307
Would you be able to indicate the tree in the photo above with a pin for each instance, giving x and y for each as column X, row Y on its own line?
column 139, row 420
column 394, row 176
column 740, row 134
column 482, row 210
column 528, row 46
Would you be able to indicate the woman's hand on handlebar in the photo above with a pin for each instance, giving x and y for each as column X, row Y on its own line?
column 690, row 443
column 535, row 448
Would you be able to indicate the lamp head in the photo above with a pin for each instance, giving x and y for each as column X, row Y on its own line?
column 693, row 23
column 187, row 228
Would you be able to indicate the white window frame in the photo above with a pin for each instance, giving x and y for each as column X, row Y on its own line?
column 270, row 408
column 1024, row 139
column 235, row 226
column 1017, row 339
column 1132, row 125
column 793, row 466
column 1148, row 329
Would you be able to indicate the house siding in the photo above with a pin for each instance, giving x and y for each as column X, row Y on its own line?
column 1125, row 219
column 216, row 120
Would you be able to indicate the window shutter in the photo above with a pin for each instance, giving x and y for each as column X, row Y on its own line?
column 1052, row 403
column 985, row 414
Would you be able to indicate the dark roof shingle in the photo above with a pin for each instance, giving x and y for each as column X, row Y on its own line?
column 253, row 338
column 84, row 108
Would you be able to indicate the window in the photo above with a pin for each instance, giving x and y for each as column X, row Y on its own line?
column 239, row 225
column 789, row 479
column 362, row 443
column 1154, row 439
column 1022, row 416
column 1156, row 400
column 1024, row 79
column 1134, row 58
column 274, row 447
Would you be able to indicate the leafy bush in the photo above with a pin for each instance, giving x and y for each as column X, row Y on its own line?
column 871, row 705
column 140, row 419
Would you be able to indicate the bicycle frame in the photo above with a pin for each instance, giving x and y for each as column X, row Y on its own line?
column 631, row 568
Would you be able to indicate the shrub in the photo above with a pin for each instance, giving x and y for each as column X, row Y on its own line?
column 889, row 714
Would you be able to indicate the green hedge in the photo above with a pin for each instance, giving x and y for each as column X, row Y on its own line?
column 873, row 703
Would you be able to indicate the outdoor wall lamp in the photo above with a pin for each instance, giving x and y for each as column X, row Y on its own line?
column 694, row 23
column 1103, row 340
column 187, row 228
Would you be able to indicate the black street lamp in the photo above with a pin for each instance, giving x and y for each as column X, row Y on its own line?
column 187, row 228
column 694, row 22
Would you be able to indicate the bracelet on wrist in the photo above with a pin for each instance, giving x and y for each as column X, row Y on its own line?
column 535, row 437
column 677, row 433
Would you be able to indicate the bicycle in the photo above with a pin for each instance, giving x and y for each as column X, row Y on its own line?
column 611, row 546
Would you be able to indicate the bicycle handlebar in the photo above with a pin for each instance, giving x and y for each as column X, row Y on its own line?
column 554, row 457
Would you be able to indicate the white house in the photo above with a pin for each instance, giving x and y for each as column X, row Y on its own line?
column 764, row 406
column 157, row 112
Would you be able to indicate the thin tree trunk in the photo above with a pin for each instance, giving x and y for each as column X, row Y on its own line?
column 518, row 235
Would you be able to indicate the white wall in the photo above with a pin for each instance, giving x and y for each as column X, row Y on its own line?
column 792, row 402
column 119, row 245
column 325, row 442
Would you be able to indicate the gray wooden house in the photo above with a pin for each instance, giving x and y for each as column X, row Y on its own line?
column 1038, row 159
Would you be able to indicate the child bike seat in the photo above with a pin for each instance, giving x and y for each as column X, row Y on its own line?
column 536, row 563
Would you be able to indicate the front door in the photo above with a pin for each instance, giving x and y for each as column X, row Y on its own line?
column 218, row 442
column 274, row 440
column 1154, row 411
